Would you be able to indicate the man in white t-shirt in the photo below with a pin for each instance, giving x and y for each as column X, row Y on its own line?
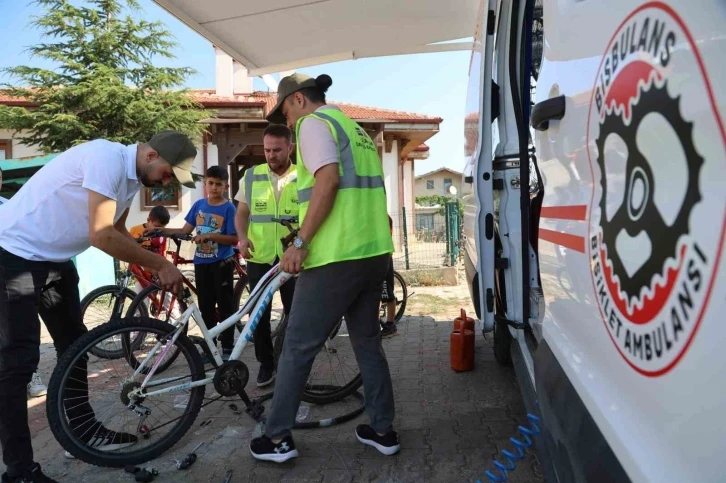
column 36, row 388
column 79, row 199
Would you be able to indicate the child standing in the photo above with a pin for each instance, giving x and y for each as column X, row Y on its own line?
column 212, row 221
column 388, row 297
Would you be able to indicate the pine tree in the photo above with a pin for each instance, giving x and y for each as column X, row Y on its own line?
column 105, row 83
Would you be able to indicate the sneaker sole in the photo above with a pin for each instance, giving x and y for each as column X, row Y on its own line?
column 388, row 336
column 38, row 394
column 386, row 450
column 275, row 458
column 266, row 383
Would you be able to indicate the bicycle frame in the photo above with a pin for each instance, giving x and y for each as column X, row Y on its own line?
column 255, row 305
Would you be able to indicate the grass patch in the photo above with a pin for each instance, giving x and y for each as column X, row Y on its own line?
column 426, row 304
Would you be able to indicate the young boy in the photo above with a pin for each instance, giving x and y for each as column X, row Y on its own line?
column 212, row 221
column 158, row 218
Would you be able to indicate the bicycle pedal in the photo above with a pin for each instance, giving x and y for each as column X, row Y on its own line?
column 255, row 411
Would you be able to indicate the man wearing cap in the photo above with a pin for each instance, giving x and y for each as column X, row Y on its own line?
column 343, row 245
column 81, row 198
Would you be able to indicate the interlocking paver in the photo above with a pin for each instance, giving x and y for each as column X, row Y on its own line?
column 451, row 424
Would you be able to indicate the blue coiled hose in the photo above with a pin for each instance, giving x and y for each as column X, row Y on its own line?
column 512, row 458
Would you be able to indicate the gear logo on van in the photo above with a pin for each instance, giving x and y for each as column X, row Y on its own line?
column 657, row 148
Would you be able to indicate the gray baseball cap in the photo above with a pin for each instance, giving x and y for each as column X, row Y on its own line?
column 288, row 85
column 178, row 150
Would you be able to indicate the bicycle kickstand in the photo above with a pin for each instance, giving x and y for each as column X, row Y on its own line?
column 253, row 408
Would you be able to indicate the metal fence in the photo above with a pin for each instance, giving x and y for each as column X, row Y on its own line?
column 427, row 238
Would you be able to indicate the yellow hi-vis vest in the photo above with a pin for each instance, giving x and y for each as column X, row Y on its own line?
column 264, row 233
column 357, row 225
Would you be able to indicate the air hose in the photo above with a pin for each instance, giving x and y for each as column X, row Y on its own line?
column 322, row 423
column 513, row 458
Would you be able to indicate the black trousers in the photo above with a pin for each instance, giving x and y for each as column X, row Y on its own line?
column 27, row 289
column 264, row 351
column 215, row 291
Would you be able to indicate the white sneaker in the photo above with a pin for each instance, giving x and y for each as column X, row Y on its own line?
column 36, row 388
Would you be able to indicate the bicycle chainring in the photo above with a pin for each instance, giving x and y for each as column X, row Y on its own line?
column 664, row 238
column 229, row 376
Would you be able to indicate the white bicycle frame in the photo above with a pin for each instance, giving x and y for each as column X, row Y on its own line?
column 256, row 305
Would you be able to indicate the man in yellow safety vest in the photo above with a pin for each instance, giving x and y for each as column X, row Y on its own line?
column 268, row 191
column 344, row 246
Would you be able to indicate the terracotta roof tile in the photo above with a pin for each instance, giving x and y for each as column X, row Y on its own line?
column 208, row 98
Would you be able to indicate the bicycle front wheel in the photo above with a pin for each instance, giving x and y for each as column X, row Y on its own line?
column 104, row 303
column 100, row 413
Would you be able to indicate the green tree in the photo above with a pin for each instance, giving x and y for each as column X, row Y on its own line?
column 105, row 83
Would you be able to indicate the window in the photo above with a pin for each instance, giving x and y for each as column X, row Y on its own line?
column 424, row 221
column 429, row 184
column 6, row 149
column 447, row 183
column 169, row 196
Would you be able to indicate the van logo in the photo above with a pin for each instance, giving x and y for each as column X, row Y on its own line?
column 656, row 234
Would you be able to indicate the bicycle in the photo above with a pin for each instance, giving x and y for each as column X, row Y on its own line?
column 139, row 389
column 115, row 298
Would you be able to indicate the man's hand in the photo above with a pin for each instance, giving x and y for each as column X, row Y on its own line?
column 153, row 231
column 170, row 278
column 293, row 259
column 245, row 247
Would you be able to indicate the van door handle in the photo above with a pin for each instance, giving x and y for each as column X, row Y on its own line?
column 546, row 111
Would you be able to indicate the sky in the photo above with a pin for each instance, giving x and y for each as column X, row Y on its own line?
column 432, row 84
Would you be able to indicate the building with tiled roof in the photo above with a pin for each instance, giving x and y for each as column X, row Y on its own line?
column 234, row 139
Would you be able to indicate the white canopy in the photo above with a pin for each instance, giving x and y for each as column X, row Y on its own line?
column 268, row 36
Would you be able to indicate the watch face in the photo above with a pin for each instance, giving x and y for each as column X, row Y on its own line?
column 297, row 243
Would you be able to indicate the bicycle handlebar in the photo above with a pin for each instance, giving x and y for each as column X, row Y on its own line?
column 159, row 234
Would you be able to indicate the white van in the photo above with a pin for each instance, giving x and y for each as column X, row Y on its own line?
column 595, row 142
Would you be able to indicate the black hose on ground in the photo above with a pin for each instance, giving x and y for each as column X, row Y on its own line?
column 327, row 422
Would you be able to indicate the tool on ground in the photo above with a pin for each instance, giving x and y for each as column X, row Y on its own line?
column 227, row 476
column 462, row 344
column 142, row 475
column 189, row 459
column 234, row 408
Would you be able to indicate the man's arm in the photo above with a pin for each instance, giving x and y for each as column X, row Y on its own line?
column 242, row 220
column 104, row 235
column 327, row 181
column 121, row 225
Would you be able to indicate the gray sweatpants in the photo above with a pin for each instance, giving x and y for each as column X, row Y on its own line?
column 322, row 296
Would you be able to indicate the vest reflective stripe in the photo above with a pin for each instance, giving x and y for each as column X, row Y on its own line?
column 357, row 225
column 349, row 179
column 264, row 233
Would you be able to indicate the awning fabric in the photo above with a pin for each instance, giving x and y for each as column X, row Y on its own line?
column 269, row 36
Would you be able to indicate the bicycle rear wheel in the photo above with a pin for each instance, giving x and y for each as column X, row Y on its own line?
column 335, row 374
column 90, row 398
column 401, row 292
column 101, row 305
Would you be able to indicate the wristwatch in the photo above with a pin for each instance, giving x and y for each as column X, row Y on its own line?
column 299, row 244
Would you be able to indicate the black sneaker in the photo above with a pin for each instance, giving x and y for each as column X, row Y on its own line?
column 264, row 449
column 265, row 376
column 387, row 444
column 389, row 330
column 33, row 475
column 104, row 439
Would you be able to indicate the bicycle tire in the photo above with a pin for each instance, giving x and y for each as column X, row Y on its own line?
column 402, row 306
column 319, row 394
column 126, row 340
column 113, row 291
column 56, row 411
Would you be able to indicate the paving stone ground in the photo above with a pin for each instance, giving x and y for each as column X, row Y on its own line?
column 451, row 424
